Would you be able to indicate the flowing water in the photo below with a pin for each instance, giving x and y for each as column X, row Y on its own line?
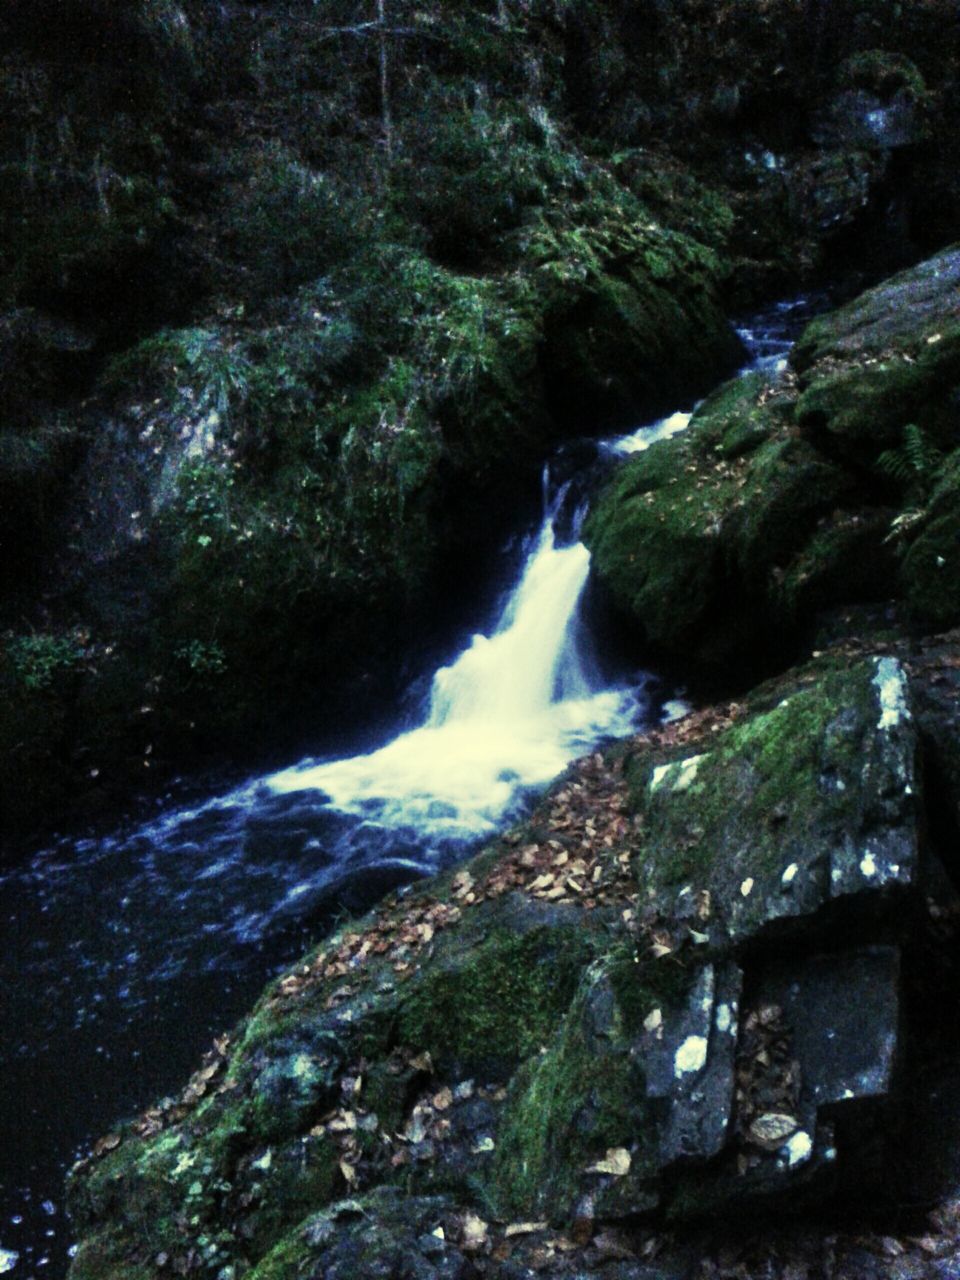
column 124, row 955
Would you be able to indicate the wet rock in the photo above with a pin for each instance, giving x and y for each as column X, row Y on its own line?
column 692, row 1067
column 721, row 1013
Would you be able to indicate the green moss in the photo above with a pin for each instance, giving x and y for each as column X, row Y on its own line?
column 848, row 557
column 485, row 1010
column 300, row 1178
column 930, row 569
column 288, row 1258
column 569, row 1104
column 106, row 1256
column 653, row 537
column 865, row 409
column 641, row 983
column 765, row 794
column 787, row 489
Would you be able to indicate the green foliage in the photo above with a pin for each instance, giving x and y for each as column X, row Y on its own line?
column 203, row 658
column 219, row 374
column 37, row 660
column 459, row 329
column 198, row 368
column 476, row 171
column 287, row 223
column 917, row 461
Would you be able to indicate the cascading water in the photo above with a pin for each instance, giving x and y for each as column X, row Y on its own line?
column 123, row 956
column 507, row 715
column 139, row 947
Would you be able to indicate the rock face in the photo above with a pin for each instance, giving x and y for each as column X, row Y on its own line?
column 830, row 484
column 686, row 985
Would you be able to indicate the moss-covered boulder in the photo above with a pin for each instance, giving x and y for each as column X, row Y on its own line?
column 887, row 359
column 254, row 500
column 791, row 493
column 592, row 1020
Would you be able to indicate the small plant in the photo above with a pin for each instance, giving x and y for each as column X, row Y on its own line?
column 202, row 658
column 221, row 373
column 915, row 462
column 37, row 659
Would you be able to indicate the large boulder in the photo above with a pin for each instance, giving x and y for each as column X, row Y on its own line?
column 831, row 483
column 686, row 984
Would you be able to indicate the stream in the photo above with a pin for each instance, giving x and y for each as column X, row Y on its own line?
column 123, row 956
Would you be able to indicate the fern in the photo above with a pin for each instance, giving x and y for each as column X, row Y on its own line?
column 915, row 465
column 915, row 462
column 223, row 374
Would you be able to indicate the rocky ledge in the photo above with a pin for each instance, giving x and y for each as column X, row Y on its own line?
column 705, row 979
column 830, row 482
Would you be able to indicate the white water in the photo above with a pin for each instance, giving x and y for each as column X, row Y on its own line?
column 516, row 706
column 512, row 710
column 643, row 438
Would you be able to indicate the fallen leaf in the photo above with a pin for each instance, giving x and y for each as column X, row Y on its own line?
column 343, row 1122
column 541, row 882
column 616, row 1162
column 772, row 1129
column 473, row 1232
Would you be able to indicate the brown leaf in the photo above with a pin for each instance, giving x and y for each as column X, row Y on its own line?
column 771, row 1130
column 443, row 1100
column 541, row 882
column 109, row 1143
column 343, row 1122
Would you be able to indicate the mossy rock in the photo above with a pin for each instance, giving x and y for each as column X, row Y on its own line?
column 696, row 532
column 791, row 494
column 889, row 358
column 807, row 800
column 490, row 994
column 930, row 567
column 584, row 1095
column 549, row 1030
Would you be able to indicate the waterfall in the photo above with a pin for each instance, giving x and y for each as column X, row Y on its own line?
column 508, row 714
